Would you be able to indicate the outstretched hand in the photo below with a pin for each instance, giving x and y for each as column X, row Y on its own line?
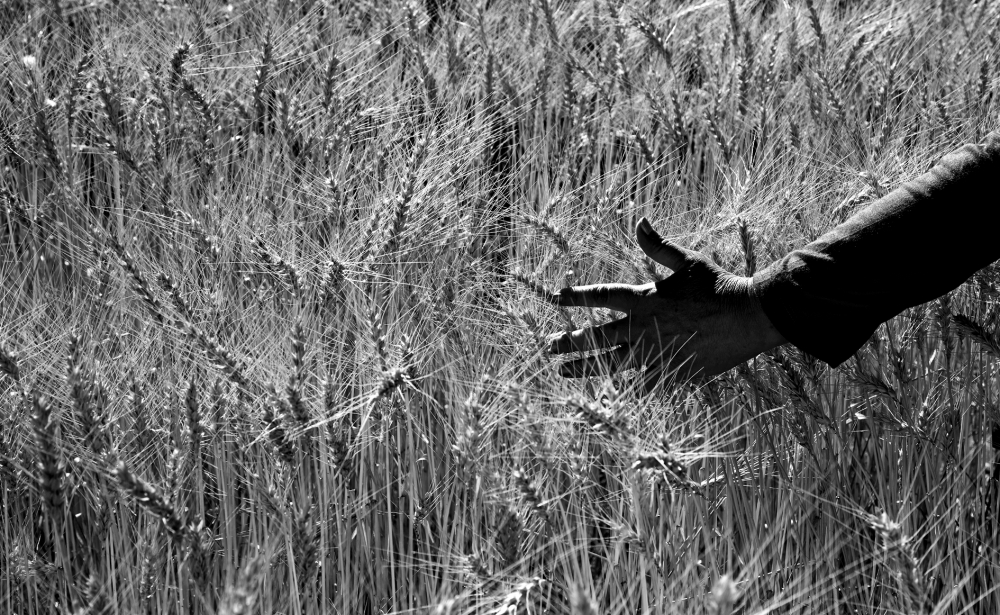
column 696, row 323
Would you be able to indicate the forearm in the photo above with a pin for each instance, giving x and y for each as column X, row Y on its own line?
column 918, row 242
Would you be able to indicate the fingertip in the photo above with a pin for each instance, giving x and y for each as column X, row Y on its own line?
column 661, row 250
column 645, row 226
column 552, row 343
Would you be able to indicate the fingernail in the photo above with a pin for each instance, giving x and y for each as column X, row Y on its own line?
column 645, row 225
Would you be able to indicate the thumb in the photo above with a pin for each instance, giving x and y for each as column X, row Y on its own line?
column 658, row 248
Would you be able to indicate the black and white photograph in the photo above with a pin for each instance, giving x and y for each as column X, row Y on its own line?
column 499, row 307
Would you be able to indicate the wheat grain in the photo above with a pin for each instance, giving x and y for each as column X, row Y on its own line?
column 305, row 546
column 177, row 60
column 734, row 19
column 282, row 268
column 260, row 83
column 49, row 466
column 333, row 67
column 536, row 288
column 833, row 98
column 747, row 242
column 297, row 379
column 139, row 283
column 43, row 135
column 275, row 411
column 550, row 230
column 655, row 36
column 720, row 140
column 150, row 498
column 815, row 24
column 644, row 149
column 88, row 396
column 852, row 57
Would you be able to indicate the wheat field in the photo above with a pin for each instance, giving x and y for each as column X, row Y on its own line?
column 273, row 332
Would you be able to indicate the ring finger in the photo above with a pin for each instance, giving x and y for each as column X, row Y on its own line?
column 607, row 335
column 606, row 363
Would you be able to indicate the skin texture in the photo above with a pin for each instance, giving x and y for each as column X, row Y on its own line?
column 698, row 322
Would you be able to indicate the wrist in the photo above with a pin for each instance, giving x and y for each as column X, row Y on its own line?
column 770, row 337
column 754, row 329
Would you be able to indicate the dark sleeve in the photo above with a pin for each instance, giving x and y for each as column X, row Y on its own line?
column 913, row 245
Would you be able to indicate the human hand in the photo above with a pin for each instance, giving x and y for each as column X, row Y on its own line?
column 696, row 323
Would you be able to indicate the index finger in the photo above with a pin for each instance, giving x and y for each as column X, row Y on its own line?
column 620, row 297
